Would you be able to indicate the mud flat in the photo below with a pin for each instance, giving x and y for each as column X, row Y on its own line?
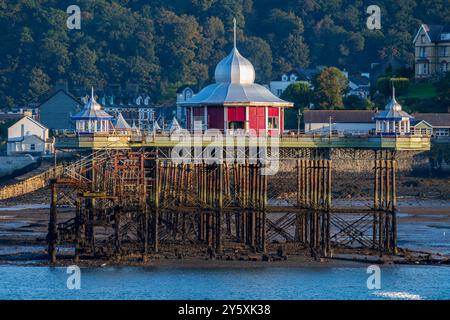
column 424, row 238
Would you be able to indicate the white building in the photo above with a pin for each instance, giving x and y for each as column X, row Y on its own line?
column 92, row 119
column 277, row 87
column 339, row 121
column 439, row 122
column 184, row 93
column 393, row 120
column 139, row 110
column 28, row 136
column 359, row 85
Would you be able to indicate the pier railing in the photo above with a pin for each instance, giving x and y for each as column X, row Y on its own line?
column 127, row 141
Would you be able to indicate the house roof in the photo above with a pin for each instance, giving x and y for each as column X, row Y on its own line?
column 359, row 80
column 181, row 89
column 235, row 86
column 416, row 122
column 340, row 116
column 175, row 126
column 31, row 120
column 92, row 111
column 435, row 119
column 64, row 92
column 121, row 123
column 4, row 117
column 20, row 139
column 433, row 31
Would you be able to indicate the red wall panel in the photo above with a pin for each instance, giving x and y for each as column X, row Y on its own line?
column 257, row 118
column 272, row 112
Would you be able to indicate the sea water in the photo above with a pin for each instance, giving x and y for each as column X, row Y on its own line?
column 281, row 283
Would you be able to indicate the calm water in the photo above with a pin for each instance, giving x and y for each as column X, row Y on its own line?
column 406, row 282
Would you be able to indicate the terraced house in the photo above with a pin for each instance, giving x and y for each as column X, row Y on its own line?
column 432, row 51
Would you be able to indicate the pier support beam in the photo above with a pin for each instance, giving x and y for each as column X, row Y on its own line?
column 52, row 236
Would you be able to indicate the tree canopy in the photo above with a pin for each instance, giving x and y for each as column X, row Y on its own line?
column 329, row 87
column 163, row 43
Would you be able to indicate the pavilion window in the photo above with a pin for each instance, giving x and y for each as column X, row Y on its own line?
column 235, row 125
column 272, row 123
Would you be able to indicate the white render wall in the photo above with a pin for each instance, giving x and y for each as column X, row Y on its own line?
column 361, row 128
column 25, row 146
column 30, row 128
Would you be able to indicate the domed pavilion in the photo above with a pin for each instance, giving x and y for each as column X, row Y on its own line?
column 92, row 119
column 235, row 101
column 393, row 120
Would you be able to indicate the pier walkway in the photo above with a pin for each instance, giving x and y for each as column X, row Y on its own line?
column 163, row 140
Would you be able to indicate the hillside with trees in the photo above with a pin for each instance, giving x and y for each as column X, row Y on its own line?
column 162, row 44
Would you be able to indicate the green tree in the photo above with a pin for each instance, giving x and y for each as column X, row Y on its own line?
column 443, row 91
column 299, row 93
column 302, row 96
column 38, row 85
column 384, row 85
column 259, row 53
column 356, row 103
column 330, row 86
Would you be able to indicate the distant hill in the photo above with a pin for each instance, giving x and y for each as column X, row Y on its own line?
column 160, row 44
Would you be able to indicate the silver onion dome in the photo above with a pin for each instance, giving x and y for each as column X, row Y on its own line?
column 392, row 111
column 234, row 68
column 92, row 111
column 235, row 85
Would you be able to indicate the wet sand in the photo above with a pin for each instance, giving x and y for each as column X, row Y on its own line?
column 424, row 228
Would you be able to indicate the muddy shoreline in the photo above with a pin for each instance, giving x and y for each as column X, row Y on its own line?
column 23, row 229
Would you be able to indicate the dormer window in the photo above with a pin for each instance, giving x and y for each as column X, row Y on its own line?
column 188, row 93
column 284, row 77
column 293, row 77
column 445, row 36
column 423, row 38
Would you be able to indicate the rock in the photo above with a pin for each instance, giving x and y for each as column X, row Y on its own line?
column 254, row 257
column 280, row 251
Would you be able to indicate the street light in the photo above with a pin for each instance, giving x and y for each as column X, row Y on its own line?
column 299, row 116
column 330, row 126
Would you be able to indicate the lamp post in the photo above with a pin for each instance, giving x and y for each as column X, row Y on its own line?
column 299, row 117
column 330, row 126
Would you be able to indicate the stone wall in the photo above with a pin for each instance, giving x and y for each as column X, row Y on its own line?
column 8, row 165
column 362, row 160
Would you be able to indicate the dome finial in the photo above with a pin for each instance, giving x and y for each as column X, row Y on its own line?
column 234, row 31
column 92, row 93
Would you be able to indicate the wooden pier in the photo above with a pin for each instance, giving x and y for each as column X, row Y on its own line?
column 132, row 203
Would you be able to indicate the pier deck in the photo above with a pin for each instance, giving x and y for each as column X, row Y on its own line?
column 114, row 141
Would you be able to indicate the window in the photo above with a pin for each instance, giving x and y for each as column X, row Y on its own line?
column 284, row 77
column 442, row 132
column 422, row 52
column 425, row 68
column 279, row 92
column 445, row 36
column 235, row 125
column 422, row 38
column 443, row 51
column 444, row 66
column 272, row 123
column 32, row 147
